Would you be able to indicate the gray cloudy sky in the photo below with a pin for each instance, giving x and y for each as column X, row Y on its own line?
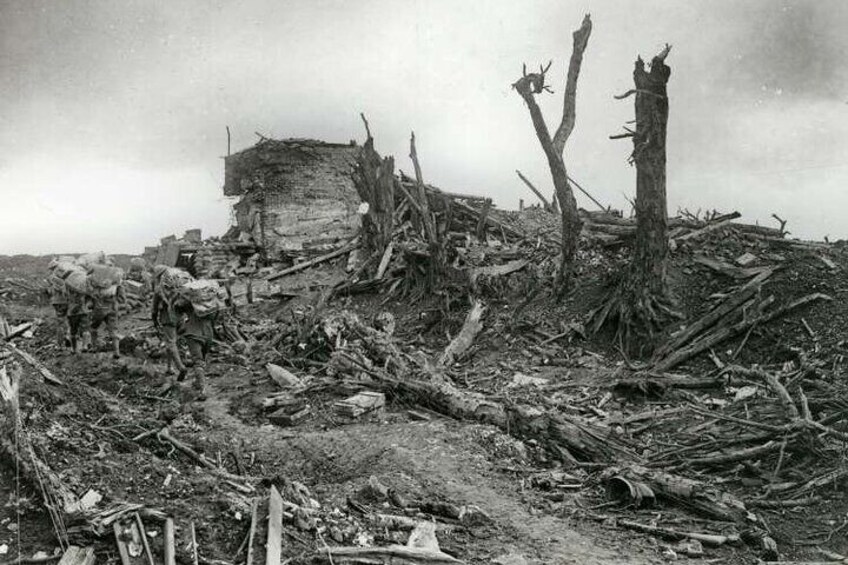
column 114, row 111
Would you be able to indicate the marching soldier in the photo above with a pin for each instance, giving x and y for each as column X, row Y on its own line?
column 59, row 269
column 79, row 310
column 107, row 292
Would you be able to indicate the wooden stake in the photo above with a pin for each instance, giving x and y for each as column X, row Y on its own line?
column 193, row 544
column 273, row 548
column 170, row 544
column 254, row 510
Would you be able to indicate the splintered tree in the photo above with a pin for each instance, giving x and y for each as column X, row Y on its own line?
column 421, row 204
column 528, row 86
column 641, row 304
column 375, row 183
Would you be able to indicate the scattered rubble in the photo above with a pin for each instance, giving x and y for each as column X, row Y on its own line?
column 337, row 382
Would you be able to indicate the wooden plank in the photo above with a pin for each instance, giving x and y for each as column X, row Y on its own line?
column 128, row 540
column 170, row 544
column 143, row 533
column 384, row 262
column 254, row 515
column 273, row 548
column 76, row 555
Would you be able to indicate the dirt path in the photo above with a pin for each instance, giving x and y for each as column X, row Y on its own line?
column 436, row 460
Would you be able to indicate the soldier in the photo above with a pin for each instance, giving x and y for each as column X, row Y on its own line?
column 138, row 272
column 203, row 301
column 167, row 312
column 59, row 269
column 79, row 309
column 107, row 292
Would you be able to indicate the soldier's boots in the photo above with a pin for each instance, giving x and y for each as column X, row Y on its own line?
column 199, row 384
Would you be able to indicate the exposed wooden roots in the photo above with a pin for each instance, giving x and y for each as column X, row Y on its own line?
column 639, row 315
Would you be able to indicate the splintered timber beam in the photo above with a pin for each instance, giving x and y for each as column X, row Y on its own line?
column 273, row 548
column 539, row 195
column 350, row 246
column 730, row 304
column 42, row 369
column 465, row 338
column 726, row 331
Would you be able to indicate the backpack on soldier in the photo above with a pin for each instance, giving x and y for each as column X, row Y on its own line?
column 88, row 260
column 62, row 269
column 206, row 297
column 104, row 280
column 171, row 281
column 77, row 281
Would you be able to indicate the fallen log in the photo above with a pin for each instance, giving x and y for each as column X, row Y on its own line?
column 713, row 540
column 42, row 369
column 571, row 437
column 727, row 269
column 747, row 454
column 465, row 338
column 704, row 230
column 694, row 495
column 730, row 304
column 724, row 332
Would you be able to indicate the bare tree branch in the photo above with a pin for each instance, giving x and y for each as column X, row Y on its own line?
column 581, row 39
column 529, row 184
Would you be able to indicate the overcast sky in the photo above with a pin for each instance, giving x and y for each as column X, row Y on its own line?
column 113, row 112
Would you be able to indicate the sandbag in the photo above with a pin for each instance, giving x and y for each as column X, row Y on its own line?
column 77, row 281
column 206, row 297
column 90, row 259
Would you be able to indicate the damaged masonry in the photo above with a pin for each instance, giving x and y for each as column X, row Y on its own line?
column 396, row 372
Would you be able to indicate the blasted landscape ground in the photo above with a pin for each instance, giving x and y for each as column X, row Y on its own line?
column 487, row 419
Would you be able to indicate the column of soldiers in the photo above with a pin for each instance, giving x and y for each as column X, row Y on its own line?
column 88, row 293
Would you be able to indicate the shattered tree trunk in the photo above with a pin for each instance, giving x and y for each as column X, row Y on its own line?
column 528, row 86
column 640, row 304
column 374, row 182
column 435, row 244
column 648, row 266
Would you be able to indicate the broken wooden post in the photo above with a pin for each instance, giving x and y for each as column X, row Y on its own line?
column 194, row 557
column 545, row 204
column 375, row 183
column 170, row 542
column 465, row 338
column 273, row 547
column 254, row 516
